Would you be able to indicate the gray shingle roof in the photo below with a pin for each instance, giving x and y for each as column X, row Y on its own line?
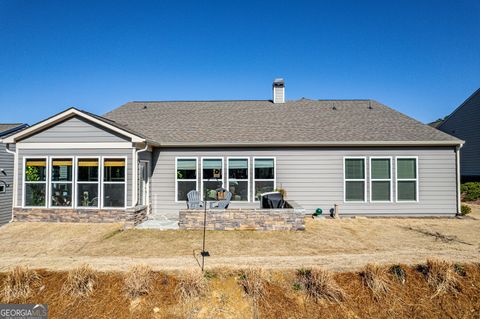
column 7, row 128
column 263, row 122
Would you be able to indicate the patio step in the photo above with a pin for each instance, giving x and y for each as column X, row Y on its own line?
column 158, row 224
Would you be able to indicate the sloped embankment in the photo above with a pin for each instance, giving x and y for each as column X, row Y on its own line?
column 436, row 289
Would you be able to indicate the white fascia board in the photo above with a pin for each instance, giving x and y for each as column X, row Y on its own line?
column 21, row 145
column 326, row 143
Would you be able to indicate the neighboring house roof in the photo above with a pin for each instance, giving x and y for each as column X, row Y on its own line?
column 436, row 123
column 262, row 122
column 6, row 129
column 475, row 94
column 71, row 112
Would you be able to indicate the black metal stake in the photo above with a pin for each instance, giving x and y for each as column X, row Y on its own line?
column 204, row 253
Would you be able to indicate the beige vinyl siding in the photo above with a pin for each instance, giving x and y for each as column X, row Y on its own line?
column 75, row 130
column 111, row 153
column 313, row 177
column 6, row 199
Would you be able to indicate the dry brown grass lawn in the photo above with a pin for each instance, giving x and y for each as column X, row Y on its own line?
column 336, row 244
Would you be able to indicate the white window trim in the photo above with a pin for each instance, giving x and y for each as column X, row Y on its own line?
column 227, row 173
column 51, row 181
column 125, row 182
column 264, row 180
column 355, row 180
column 47, row 175
column 390, row 158
column 201, row 173
column 185, row 180
column 407, row 179
column 81, row 182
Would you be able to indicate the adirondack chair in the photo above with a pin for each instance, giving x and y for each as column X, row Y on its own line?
column 222, row 204
column 193, row 200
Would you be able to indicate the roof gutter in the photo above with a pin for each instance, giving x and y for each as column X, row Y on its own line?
column 327, row 143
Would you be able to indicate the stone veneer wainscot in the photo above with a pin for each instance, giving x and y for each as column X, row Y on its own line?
column 244, row 219
column 129, row 217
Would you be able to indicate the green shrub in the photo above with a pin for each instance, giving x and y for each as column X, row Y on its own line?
column 465, row 209
column 470, row 191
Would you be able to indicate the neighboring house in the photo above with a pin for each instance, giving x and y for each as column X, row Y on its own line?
column 464, row 123
column 6, row 173
column 359, row 154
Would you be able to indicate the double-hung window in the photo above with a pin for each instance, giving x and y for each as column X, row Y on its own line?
column 35, row 182
column 88, row 185
column 263, row 176
column 114, row 192
column 354, row 179
column 238, row 185
column 212, row 177
column 61, row 182
column 380, row 179
column 186, row 177
column 407, row 179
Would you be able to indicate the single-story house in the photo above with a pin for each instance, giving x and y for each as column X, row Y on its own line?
column 6, row 172
column 145, row 156
column 464, row 123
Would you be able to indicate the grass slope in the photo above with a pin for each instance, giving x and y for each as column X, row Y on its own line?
column 413, row 296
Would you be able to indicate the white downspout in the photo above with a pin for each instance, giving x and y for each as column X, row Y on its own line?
column 15, row 177
column 135, row 172
column 457, row 164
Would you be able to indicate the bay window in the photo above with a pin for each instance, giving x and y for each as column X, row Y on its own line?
column 354, row 179
column 263, row 176
column 238, row 174
column 114, row 182
column 407, row 179
column 380, row 179
column 212, row 177
column 88, row 183
column 35, row 182
column 61, row 182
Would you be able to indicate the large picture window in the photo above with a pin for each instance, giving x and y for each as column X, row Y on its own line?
column 263, row 175
column 61, row 182
column 212, row 177
column 407, row 179
column 380, row 179
column 35, row 182
column 354, row 181
column 114, row 170
column 88, row 182
column 186, row 177
column 238, row 174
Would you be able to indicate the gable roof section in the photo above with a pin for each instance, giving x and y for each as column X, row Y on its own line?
column 6, row 129
column 465, row 103
column 301, row 122
column 71, row 112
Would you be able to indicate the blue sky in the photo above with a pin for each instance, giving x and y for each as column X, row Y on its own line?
column 419, row 57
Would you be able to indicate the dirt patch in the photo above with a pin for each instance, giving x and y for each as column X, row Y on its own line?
column 438, row 236
column 412, row 298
